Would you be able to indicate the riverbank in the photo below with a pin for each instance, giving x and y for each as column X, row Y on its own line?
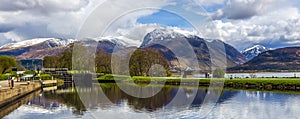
column 21, row 89
column 247, row 83
column 15, row 104
column 49, row 83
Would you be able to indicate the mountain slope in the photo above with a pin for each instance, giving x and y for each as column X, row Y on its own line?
column 254, row 51
column 201, row 48
column 274, row 60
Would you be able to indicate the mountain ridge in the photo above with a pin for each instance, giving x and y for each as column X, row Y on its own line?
column 287, row 58
column 200, row 46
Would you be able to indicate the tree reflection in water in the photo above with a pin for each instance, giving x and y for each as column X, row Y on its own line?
column 161, row 99
column 70, row 99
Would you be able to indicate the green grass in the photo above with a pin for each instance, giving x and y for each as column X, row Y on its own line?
column 45, row 77
column 113, row 77
column 266, row 83
column 248, row 81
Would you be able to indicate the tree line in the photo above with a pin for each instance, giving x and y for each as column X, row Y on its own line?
column 140, row 64
column 64, row 60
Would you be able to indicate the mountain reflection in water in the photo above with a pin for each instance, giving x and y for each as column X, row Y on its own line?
column 65, row 101
column 115, row 96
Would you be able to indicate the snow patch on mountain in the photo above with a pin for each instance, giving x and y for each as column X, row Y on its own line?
column 167, row 34
column 255, row 48
column 51, row 41
column 119, row 40
column 254, row 51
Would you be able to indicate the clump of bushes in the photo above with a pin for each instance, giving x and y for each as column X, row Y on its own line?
column 112, row 77
column 3, row 77
column 45, row 77
column 218, row 73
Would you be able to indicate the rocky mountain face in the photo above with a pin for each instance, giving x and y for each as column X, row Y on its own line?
column 254, row 51
column 273, row 60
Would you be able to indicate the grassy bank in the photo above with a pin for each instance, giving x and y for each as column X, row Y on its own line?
column 249, row 83
column 258, row 81
column 59, row 82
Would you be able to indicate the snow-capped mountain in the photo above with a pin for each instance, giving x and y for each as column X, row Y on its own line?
column 174, row 37
column 35, row 48
column 52, row 42
column 39, row 48
column 158, row 35
column 254, row 51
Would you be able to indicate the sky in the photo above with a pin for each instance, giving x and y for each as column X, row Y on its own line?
column 241, row 23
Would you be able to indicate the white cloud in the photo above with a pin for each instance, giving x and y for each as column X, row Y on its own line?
column 245, row 9
column 244, row 23
column 239, row 22
column 26, row 19
column 138, row 32
column 209, row 2
column 42, row 6
column 122, row 14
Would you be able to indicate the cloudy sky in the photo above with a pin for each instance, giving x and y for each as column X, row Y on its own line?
column 241, row 23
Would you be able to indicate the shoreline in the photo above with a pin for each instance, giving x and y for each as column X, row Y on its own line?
column 9, row 95
column 256, row 83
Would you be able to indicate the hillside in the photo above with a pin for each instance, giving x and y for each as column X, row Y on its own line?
column 200, row 46
column 273, row 60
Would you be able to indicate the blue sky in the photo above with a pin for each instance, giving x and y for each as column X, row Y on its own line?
column 164, row 18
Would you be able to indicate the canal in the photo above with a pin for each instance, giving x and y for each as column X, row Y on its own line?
column 109, row 101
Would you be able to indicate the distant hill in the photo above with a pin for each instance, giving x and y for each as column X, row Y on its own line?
column 273, row 60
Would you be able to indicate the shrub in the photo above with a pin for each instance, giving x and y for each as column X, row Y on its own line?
column 218, row 73
column 45, row 76
column 3, row 77
column 29, row 72
column 112, row 77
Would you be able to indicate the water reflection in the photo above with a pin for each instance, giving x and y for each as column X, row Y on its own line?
column 161, row 99
column 17, row 103
column 60, row 102
column 262, row 105
column 109, row 101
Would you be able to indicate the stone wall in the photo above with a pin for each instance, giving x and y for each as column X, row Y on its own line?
column 9, row 95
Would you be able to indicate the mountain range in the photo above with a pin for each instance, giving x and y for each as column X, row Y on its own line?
column 35, row 48
column 257, row 57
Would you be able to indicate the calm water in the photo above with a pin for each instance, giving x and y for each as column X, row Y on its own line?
column 64, row 102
